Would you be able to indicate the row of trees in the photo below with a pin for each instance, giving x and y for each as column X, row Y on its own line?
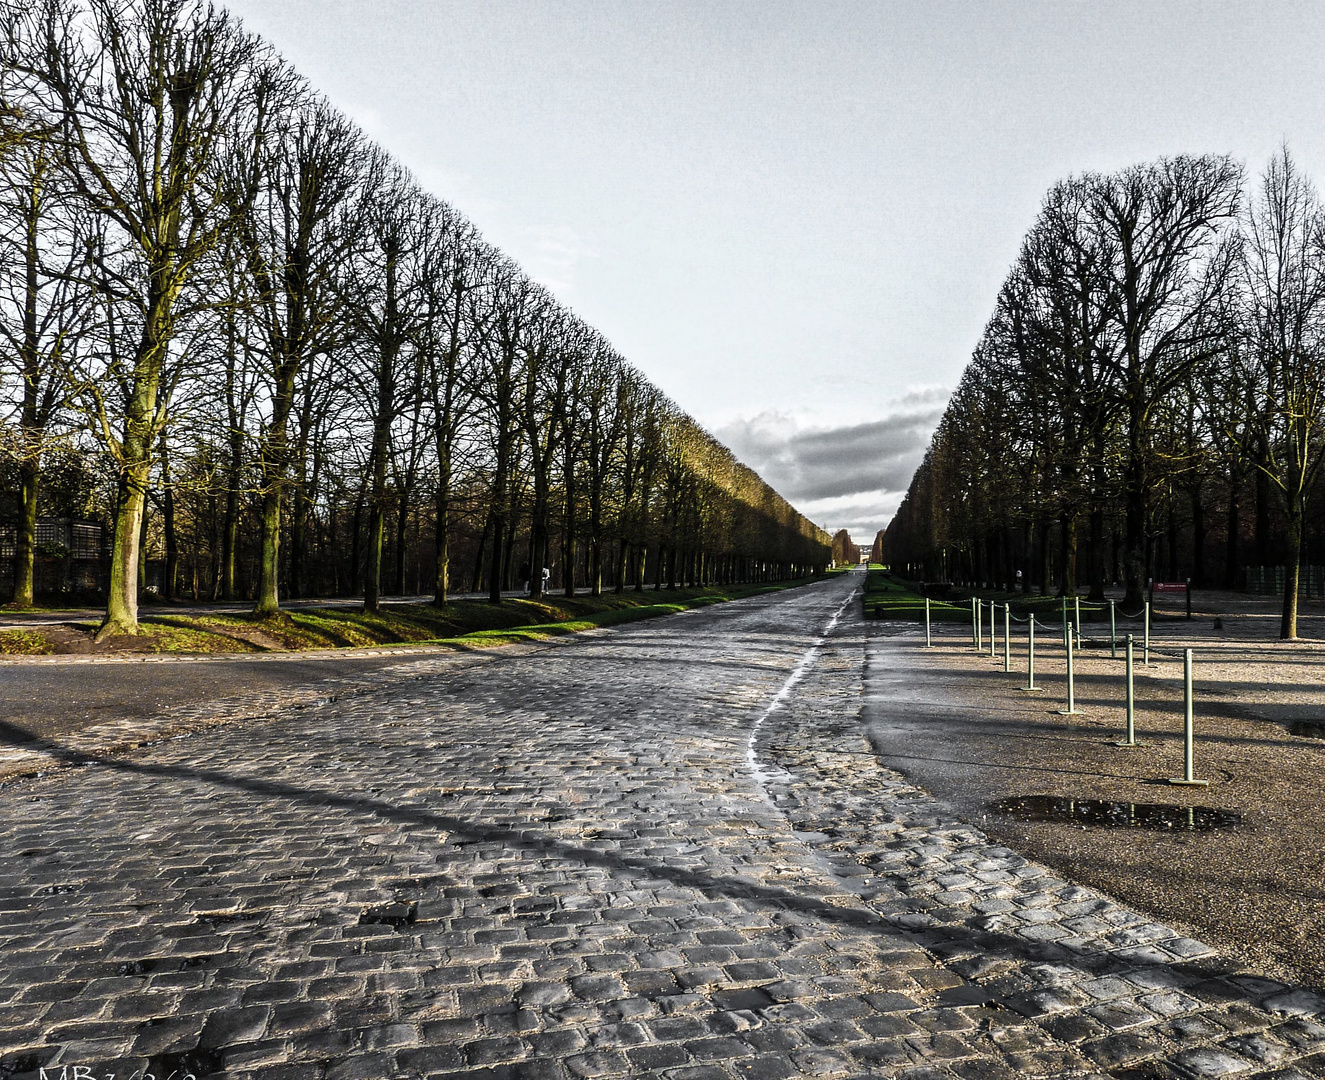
column 1153, row 370
column 271, row 352
column 845, row 553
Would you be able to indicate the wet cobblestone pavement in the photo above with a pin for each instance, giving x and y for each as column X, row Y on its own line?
column 665, row 850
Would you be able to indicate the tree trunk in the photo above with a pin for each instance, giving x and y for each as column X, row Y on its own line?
column 122, row 596
column 356, row 541
column 1261, row 536
column 267, row 602
column 25, row 540
column 1198, row 539
column 476, row 583
column 372, row 581
column 168, row 523
column 442, row 565
column 1292, row 573
column 1172, row 570
column 1232, row 539
column 1135, row 499
column 402, row 524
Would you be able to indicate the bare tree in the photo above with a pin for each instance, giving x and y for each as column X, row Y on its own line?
column 379, row 292
column 292, row 189
column 42, row 316
column 1163, row 223
column 146, row 97
column 454, row 272
column 1282, row 273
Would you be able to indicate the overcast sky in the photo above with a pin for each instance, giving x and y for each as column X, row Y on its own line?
column 794, row 217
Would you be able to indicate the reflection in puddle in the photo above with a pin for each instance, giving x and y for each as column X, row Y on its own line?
column 1119, row 815
column 1311, row 729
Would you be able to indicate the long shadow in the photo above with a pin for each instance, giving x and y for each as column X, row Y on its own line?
column 887, row 756
column 1206, row 979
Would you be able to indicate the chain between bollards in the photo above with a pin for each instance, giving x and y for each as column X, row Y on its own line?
column 1188, row 738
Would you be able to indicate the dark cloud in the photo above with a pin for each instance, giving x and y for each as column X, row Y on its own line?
column 830, row 463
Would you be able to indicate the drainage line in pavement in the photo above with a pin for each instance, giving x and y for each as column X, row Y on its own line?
column 751, row 758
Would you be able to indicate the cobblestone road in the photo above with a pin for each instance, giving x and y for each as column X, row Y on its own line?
column 665, row 850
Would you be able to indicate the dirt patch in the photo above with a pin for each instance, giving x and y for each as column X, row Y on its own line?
column 955, row 723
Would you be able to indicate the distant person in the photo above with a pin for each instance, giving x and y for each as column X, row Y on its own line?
column 547, row 576
column 525, row 579
column 1019, row 581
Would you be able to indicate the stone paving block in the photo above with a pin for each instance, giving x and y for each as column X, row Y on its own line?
column 1209, row 1061
column 590, row 881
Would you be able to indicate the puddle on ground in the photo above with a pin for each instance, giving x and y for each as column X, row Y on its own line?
column 1118, row 815
column 1311, row 729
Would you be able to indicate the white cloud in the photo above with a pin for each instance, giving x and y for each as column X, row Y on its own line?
column 853, row 476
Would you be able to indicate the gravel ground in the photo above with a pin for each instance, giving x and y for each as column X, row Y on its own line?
column 955, row 723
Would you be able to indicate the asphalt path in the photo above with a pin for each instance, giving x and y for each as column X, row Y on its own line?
column 659, row 850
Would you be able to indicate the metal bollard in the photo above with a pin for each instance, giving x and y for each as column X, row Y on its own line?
column 1131, row 702
column 1188, row 749
column 974, row 633
column 1030, row 686
column 1076, row 600
column 1007, row 637
column 979, row 625
column 1145, row 653
column 992, row 636
column 1113, row 631
column 1071, row 709
column 928, row 643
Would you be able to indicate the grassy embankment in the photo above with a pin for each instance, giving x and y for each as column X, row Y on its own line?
column 461, row 624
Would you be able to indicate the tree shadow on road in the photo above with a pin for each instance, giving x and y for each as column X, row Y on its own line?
column 944, row 931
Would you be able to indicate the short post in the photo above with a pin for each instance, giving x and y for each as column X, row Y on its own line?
column 1145, row 652
column 928, row 643
column 1071, row 709
column 975, row 633
column 1113, row 631
column 1189, row 599
column 992, row 635
column 1131, row 701
column 1030, row 686
column 1076, row 600
column 1007, row 637
column 1188, row 750
column 1065, row 630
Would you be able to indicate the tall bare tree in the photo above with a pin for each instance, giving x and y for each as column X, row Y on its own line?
column 1168, row 266
column 1282, row 274
column 293, row 232
column 42, row 316
column 146, row 96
